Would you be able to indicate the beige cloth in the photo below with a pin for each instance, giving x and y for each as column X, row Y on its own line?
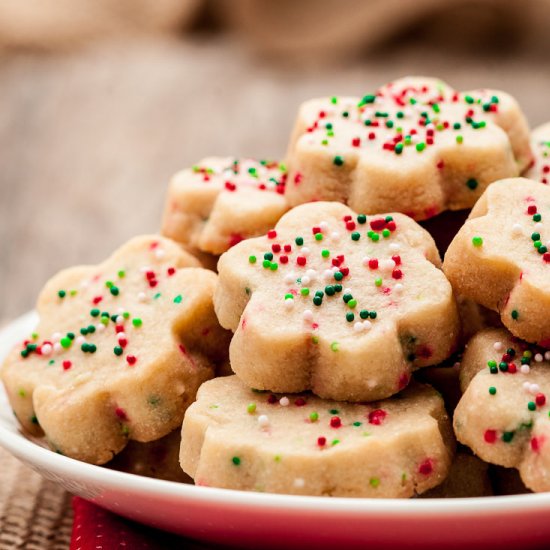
column 35, row 514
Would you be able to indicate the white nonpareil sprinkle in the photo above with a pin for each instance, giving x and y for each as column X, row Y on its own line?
column 46, row 349
column 328, row 274
column 534, row 388
column 119, row 320
column 142, row 297
column 284, row 402
column 538, row 357
column 305, row 280
column 56, row 336
column 308, row 315
column 526, row 386
column 386, row 265
column 304, row 251
column 525, row 369
column 517, row 229
column 289, row 278
column 100, row 327
column 358, row 327
column 498, row 346
column 311, row 273
column 121, row 336
column 398, row 288
column 159, row 253
column 367, row 325
column 299, row 483
column 289, row 303
column 323, row 226
column 57, row 347
column 80, row 340
column 335, row 235
column 365, row 261
column 394, row 247
column 263, row 421
column 547, row 355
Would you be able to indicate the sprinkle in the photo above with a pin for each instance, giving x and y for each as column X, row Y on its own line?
column 313, row 417
column 236, row 460
column 251, row 408
column 284, row 402
column 374, row 482
column 263, row 421
column 131, row 360
column 477, row 241
column 492, row 390
column 338, row 160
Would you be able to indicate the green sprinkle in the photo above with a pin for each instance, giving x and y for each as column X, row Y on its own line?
column 420, row 146
column 515, row 314
column 121, row 274
column 178, row 299
column 251, row 408
column 266, row 264
column 325, row 253
column 477, row 241
column 378, row 281
column 357, row 424
column 252, row 259
column 22, row 393
column 318, row 236
column 492, row 390
column 350, row 317
column 314, row 416
column 532, row 406
column 507, row 437
column 472, row 184
column 386, row 233
column 117, row 350
column 352, row 303
column 114, row 291
column 62, row 294
column 459, row 139
column 338, row 275
column 364, row 314
column 335, row 442
column 372, row 314
column 274, row 266
column 334, row 346
column 369, row 98
column 374, row 482
column 137, row 322
column 398, row 148
column 537, row 218
column 304, row 291
column 236, row 460
column 355, row 236
column 375, row 237
column 65, row 342
column 338, row 160
column 361, row 218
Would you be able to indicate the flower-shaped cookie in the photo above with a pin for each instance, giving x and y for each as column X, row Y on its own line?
column 503, row 414
column 415, row 146
column 119, row 351
column 338, row 303
column 501, row 259
column 540, row 143
column 237, row 438
column 221, row 201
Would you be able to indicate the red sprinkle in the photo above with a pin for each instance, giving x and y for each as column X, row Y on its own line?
column 377, row 417
column 321, row 441
column 540, row 399
column 67, row 365
column 373, row 263
column 335, row 422
column 121, row 413
column 271, row 234
column 427, row 467
column 490, row 436
column 300, row 402
column 131, row 359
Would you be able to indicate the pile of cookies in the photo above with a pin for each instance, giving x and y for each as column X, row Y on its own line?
column 330, row 305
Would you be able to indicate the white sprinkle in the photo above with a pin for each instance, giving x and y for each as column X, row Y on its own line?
column 539, row 225
column 289, row 278
column 367, row 325
column 498, row 346
column 538, row 357
column 365, row 261
column 289, row 303
column 85, row 283
column 347, row 291
column 358, row 327
column 80, row 340
column 394, row 247
column 305, row 280
column 142, row 297
column 46, row 349
column 335, row 235
column 525, row 370
column 323, row 226
column 308, row 315
column 517, row 229
column 534, row 388
column 57, row 347
column 121, row 336
column 311, row 273
column 299, row 483
column 284, row 402
column 398, row 288
column 305, row 250
column 119, row 320
column 547, row 355
column 160, row 253
column 145, row 269
column 56, row 336
column 386, row 265
column 328, row 274
column 263, row 421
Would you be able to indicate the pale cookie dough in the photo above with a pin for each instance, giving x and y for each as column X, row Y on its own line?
column 119, row 351
column 237, row 438
column 500, row 258
column 221, row 201
column 503, row 415
column 337, row 303
column 415, row 146
column 540, row 144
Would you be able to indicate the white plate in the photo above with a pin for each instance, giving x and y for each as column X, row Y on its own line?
column 253, row 519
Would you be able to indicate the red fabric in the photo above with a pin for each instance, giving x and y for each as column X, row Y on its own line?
column 97, row 529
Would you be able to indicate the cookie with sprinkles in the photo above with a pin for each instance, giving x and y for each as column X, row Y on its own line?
column 119, row 352
column 336, row 302
column 221, row 201
column 414, row 146
column 237, row 438
column 503, row 414
column 500, row 257
column 540, row 143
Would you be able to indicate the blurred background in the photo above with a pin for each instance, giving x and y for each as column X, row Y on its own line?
column 102, row 100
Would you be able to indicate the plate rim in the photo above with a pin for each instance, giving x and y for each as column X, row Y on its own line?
column 19, row 446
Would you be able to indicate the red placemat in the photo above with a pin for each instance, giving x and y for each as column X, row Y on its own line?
column 97, row 529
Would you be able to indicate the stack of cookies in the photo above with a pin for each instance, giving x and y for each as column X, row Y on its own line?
column 331, row 306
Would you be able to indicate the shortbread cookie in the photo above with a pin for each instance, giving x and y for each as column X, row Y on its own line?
column 468, row 477
column 237, row 438
column 221, row 201
column 119, row 352
column 500, row 258
column 415, row 146
column 157, row 459
column 337, row 303
column 540, row 144
column 503, row 414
